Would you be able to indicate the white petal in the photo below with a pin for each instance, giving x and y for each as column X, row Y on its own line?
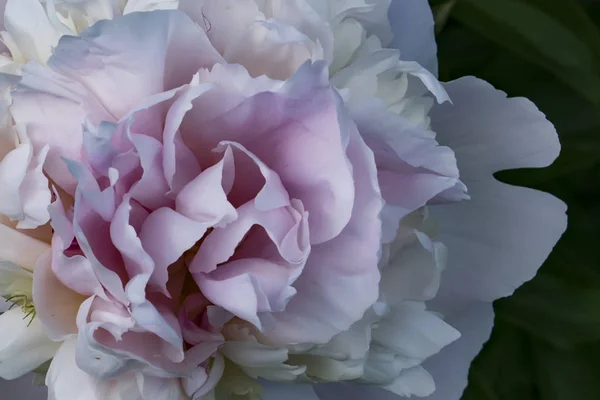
column 29, row 26
column 413, row 382
column 23, row 347
column 411, row 331
column 150, row 5
column 66, row 381
column 14, row 280
column 413, row 27
column 450, row 367
column 498, row 239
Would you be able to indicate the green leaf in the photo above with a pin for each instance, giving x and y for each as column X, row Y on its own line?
column 504, row 369
column 567, row 375
column 538, row 37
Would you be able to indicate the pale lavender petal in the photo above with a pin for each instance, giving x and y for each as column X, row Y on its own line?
column 134, row 42
column 341, row 277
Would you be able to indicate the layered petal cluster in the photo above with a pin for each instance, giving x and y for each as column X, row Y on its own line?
column 254, row 199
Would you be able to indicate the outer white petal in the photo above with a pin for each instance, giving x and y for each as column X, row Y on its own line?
column 498, row 239
column 66, row 381
column 450, row 367
column 413, row 27
column 23, row 347
column 22, row 388
column 150, row 5
column 27, row 23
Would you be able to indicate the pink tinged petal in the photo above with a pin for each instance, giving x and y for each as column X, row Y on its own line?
column 165, row 236
column 159, row 319
column 412, row 167
column 214, row 376
column 75, row 271
column 273, row 194
column 24, row 345
column 166, row 46
column 19, row 248
column 450, row 368
column 101, row 201
column 93, row 237
column 53, row 109
column 179, row 163
column 413, row 27
column 94, row 358
column 204, row 199
column 56, row 305
column 341, row 279
column 195, row 322
column 301, row 121
column 138, row 263
column 499, row 238
column 151, row 189
column 259, row 279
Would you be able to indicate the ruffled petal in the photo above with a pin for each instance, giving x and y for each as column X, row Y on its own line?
column 412, row 167
column 341, row 278
column 300, row 121
column 134, row 42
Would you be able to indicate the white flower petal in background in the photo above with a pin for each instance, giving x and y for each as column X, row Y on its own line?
column 24, row 345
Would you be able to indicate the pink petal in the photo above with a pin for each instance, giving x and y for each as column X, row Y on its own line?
column 56, row 305
column 341, row 278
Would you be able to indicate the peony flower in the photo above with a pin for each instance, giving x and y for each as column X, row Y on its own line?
column 256, row 199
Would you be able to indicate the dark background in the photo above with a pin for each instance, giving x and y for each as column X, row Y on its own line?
column 546, row 340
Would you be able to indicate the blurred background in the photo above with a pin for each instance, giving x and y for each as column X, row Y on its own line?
column 546, row 340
